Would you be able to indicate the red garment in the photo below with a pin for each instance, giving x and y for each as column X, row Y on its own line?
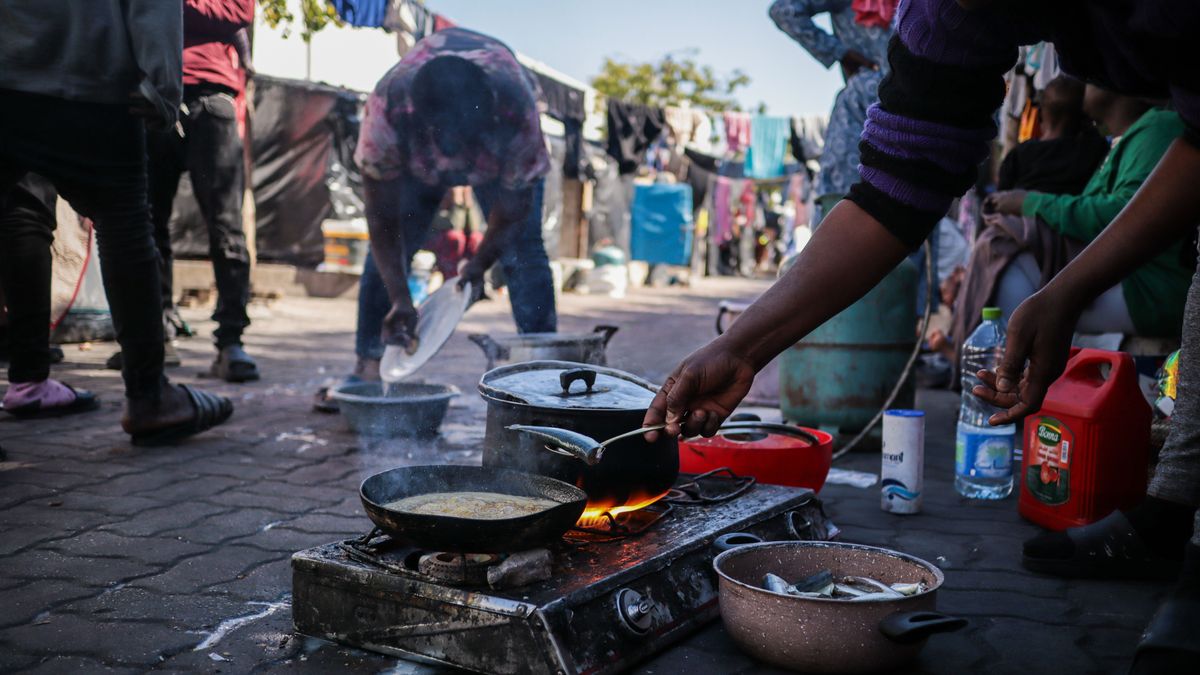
column 451, row 247
column 876, row 13
column 440, row 22
column 209, row 27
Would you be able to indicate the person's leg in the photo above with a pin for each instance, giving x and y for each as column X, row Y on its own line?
column 215, row 165
column 164, row 150
column 527, row 268
column 373, row 306
column 1017, row 282
column 1107, row 314
column 26, row 233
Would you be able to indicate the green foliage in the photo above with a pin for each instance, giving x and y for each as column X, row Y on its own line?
column 674, row 79
column 315, row 15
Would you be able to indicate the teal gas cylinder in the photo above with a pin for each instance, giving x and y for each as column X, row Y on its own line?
column 840, row 375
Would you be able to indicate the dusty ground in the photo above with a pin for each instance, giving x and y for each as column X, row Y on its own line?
column 116, row 558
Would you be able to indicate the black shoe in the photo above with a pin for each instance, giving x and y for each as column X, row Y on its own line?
column 233, row 364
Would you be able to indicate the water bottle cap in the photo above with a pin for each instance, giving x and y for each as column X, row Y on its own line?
column 991, row 313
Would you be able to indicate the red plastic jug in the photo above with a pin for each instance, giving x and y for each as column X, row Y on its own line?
column 1086, row 451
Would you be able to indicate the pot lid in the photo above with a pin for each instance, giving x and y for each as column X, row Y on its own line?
column 564, row 384
column 601, row 334
column 438, row 316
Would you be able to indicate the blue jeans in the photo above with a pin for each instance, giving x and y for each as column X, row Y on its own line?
column 522, row 257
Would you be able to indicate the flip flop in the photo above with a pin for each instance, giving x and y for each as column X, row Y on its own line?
column 210, row 411
column 1109, row 548
column 322, row 403
column 85, row 401
column 1171, row 642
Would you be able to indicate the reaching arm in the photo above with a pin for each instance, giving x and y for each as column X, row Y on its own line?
column 1165, row 208
column 384, row 221
column 795, row 17
column 507, row 208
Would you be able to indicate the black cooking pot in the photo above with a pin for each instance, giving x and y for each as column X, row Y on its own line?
column 592, row 400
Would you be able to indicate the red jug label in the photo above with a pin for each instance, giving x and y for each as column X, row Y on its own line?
column 1048, row 472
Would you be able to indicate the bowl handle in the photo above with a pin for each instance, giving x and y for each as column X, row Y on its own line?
column 911, row 627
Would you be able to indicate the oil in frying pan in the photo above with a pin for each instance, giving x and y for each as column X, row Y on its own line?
column 476, row 505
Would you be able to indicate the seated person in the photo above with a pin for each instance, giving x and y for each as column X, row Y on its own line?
column 1031, row 235
column 1062, row 160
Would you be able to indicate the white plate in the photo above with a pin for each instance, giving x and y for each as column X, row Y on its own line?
column 437, row 318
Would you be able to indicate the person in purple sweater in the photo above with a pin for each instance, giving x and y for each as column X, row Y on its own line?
column 920, row 149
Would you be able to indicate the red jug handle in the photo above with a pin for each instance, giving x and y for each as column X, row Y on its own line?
column 1120, row 363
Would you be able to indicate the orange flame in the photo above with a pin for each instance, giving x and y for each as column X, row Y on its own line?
column 593, row 515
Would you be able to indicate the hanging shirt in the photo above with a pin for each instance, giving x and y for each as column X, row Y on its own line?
column 632, row 128
column 514, row 155
column 737, row 131
column 840, row 158
column 768, row 144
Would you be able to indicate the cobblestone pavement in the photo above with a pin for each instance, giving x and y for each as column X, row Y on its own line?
column 114, row 558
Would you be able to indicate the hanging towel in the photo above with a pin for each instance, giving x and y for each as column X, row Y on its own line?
column 768, row 144
column 737, row 131
column 361, row 13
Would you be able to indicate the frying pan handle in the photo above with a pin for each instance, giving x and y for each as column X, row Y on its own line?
column 569, row 377
column 911, row 627
column 607, row 331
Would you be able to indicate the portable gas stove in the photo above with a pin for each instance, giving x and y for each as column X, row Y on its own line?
column 620, row 590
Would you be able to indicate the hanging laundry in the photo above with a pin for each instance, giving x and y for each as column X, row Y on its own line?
column 688, row 126
column 565, row 104
column 808, row 137
column 737, row 131
column 631, row 129
column 768, row 145
column 361, row 13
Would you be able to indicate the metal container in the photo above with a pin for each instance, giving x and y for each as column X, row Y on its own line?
column 840, row 375
column 591, row 400
column 576, row 347
column 410, row 409
column 819, row 635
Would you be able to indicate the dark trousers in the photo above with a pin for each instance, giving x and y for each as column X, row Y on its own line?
column 26, row 233
column 95, row 155
column 210, row 150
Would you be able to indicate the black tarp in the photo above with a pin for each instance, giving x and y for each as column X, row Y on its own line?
column 302, row 142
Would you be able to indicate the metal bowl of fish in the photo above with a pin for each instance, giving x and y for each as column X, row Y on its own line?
column 406, row 409
column 828, row 607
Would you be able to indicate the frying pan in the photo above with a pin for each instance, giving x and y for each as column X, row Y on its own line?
column 471, row 535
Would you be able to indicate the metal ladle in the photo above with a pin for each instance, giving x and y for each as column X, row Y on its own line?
column 576, row 445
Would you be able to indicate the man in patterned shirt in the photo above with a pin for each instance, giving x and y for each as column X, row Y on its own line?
column 458, row 109
column 859, row 44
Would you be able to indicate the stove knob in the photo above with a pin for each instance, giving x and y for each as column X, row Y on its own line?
column 635, row 611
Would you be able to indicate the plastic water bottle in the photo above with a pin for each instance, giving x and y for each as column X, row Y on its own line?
column 983, row 453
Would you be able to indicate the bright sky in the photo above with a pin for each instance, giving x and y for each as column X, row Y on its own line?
column 574, row 37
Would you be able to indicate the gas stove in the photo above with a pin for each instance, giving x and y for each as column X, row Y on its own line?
column 616, row 593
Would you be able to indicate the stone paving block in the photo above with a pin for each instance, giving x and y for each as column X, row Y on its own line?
column 12, row 660
column 691, row 660
column 290, row 502
column 1118, row 603
column 1004, row 603
column 283, row 539
column 160, row 519
column 196, row 487
column 1009, row 580
column 155, row 551
column 73, row 664
column 32, row 519
column 19, row 493
column 1033, row 647
column 190, row 612
column 329, row 524
column 114, row 642
column 196, row 574
column 230, row 525
column 41, row 563
column 1111, row 647
column 150, row 484
column 262, row 582
column 32, row 598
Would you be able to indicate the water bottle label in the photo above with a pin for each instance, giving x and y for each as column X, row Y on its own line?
column 983, row 455
column 1048, row 467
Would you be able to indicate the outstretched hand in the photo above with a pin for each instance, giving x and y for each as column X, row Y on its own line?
column 400, row 326
column 703, row 390
column 472, row 273
column 1038, row 334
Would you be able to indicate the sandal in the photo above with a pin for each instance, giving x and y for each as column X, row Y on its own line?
column 1171, row 642
column 323, row 401
column 211, row 410
column 233, row 364
column 85, row 401
column 1109, row 548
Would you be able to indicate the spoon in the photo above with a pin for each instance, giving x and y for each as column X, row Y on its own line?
column 576, row 445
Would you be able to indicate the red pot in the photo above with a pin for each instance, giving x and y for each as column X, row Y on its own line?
column 773, row 453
